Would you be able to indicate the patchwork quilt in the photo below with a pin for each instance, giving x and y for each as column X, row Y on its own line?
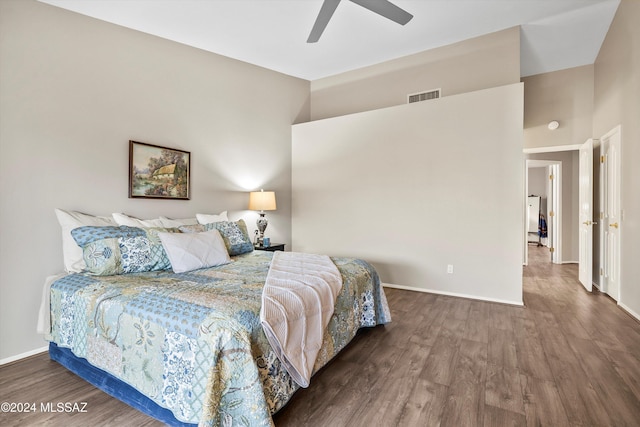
column 193, row 342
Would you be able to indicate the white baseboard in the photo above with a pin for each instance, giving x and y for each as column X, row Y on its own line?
column 451, row 294
column 596, row 285
column 23, row 355
column 622, row 305
column 628, row 310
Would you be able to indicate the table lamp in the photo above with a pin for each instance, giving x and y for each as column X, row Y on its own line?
column 262, row 201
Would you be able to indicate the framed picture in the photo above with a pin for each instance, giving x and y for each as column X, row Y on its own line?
column 158, row 172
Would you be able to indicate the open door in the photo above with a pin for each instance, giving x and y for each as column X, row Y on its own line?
column 554, row 224
column 610, row 217
column 585, row 200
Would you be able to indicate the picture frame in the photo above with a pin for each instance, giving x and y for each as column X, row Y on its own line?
column 157, row 172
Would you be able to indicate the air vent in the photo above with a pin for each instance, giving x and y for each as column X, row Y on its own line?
column 423, row 96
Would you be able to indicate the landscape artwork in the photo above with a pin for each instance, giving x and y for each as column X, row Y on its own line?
column 158, row 172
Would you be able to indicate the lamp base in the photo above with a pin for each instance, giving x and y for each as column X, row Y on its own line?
column 261, row 223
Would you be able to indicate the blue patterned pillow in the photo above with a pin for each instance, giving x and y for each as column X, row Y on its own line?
column 235, row 235
column 114, row 250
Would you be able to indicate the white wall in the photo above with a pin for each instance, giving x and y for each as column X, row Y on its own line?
column 74, row 91
column 414, row 188
column 538, row 179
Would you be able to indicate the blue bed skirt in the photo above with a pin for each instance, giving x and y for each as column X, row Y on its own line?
column 112, row 386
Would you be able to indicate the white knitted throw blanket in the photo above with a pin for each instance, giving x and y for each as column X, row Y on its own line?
column 297, row 302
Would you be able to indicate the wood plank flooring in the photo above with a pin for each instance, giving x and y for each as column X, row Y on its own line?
column 568, row 358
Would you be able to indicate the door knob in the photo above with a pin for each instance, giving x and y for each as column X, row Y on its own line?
column 587, row 223
column 615, row 225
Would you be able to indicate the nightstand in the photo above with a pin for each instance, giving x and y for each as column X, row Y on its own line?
column 274, row 247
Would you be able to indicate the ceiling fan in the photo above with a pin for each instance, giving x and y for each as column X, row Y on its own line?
column 381, row 7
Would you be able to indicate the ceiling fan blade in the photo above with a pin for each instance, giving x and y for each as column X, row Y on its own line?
column 386, row 9
column 325, row 14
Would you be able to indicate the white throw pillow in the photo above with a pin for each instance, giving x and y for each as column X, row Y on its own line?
column 191, row 251
column 177, row 223
column 72, row 253
column 130, row 221
column 209, row 218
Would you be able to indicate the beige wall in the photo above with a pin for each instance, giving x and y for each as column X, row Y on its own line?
column 414, row 188
column 617, row 102
column 565, row 96
column 74, row 91
column 487, row 61
column 415, row 196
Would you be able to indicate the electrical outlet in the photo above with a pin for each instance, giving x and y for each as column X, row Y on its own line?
column 450, row 269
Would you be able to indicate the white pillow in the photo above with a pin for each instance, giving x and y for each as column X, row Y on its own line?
column 209, row 218
column 130, row 221
column 191, row 251
column 176, row 223
column 71, row 252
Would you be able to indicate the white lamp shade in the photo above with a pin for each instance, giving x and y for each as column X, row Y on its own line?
column 262, row 201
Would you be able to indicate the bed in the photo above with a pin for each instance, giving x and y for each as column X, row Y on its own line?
column 188, row 348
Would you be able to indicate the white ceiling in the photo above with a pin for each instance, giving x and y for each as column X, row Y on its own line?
column 556, row 34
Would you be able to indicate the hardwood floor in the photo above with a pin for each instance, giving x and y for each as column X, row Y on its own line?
column 568, row 358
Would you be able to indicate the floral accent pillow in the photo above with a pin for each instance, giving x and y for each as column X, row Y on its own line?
column 114, row 250
column 235, row 235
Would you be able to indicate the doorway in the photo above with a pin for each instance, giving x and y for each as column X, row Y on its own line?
column 607, row 215
column 543, row 181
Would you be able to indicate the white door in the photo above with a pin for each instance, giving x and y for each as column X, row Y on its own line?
column 585, row 200
column 611, row 212
column 554, row 225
